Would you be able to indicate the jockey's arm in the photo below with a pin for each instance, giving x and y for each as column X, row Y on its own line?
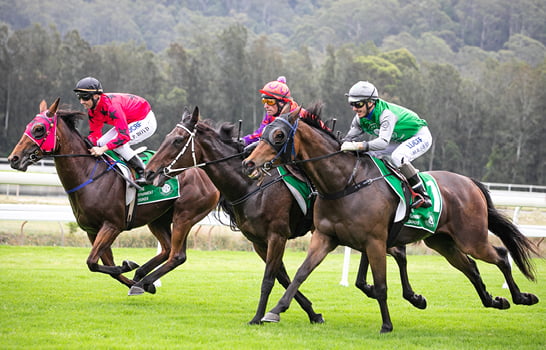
column 388, row 120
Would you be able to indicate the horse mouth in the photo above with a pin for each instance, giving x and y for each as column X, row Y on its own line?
column 20, row 164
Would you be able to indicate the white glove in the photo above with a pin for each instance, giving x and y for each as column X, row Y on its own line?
column 354, row 146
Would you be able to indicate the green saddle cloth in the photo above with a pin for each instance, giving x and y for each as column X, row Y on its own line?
column 151, row 193
column 300, row 189
column 421, row 218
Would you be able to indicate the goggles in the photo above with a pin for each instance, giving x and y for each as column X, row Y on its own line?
column 358, row 104
column 86, row 96
column 269, row 101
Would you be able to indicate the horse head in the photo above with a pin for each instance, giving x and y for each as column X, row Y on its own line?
column 276, row 145
column 38, row 139
column 178, row 144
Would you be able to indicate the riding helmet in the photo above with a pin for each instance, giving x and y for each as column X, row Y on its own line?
column 362, row 91
column 89, row 84
column 277, row 89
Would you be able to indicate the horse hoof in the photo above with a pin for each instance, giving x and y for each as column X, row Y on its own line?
column 526, row 299
column 271, row 317
column 317, row 319
column 136, row 290
column 501, row 303
column 419, row 302
column 386, row 329
column 129, row 265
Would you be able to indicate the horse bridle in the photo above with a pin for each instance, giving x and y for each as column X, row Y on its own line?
column 168, row 170
column 289, row 131
column 281, row 148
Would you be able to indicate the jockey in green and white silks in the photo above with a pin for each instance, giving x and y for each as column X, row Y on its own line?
column 400, row 133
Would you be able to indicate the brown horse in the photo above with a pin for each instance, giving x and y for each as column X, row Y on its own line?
column 361, row 218
column 97, row 197
column 268, row 215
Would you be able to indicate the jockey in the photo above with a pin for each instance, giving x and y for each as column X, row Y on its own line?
column 276, row 100
column 400, row 133
column 131, row 117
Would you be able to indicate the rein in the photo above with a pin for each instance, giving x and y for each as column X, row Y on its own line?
column 282, row 148
column 168, row 170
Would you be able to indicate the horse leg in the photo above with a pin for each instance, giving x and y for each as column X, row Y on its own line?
column 301, row 299
column 102, row 242
column 162, row 231
column 445, row 245
column 271, row 254
column 108, row 259
column 177, row 255
column 518, row 297
column 319, row 247
column 376, row 251
column 399, row 255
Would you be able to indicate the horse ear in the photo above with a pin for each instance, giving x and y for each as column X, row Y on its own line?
column 43, row 106
column 294, row 115
column 53, row 107
column 195, row 115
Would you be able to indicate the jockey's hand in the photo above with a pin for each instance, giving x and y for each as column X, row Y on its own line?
column 98, row 150
column 354, row 146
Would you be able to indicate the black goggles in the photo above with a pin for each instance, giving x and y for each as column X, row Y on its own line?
column 358, row 104
column 86, row 96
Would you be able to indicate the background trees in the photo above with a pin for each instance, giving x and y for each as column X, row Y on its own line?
column 476, row 70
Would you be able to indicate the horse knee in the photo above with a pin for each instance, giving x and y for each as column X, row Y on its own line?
column 179, row 259
column 93, row 266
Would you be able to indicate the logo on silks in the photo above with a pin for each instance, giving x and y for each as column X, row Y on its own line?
column 167, row 189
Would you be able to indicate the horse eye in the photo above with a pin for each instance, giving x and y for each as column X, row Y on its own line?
column 38, row 132
column 177, row 141
column 278, row 138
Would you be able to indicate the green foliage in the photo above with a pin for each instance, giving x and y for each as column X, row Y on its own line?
column 473, row 69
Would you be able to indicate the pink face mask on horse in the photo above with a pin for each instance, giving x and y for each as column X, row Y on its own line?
column 42, row 130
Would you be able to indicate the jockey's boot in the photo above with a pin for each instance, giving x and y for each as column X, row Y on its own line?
column 411, row 174
column 137, row 164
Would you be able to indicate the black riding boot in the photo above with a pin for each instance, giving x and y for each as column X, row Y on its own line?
column 416, row 184
column 418, row 187
column 137, row 164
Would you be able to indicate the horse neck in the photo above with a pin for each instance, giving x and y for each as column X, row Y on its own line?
column 72, row 171
column 330, row 174
column 227, row 175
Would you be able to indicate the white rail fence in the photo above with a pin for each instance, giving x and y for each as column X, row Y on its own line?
column 44, row 177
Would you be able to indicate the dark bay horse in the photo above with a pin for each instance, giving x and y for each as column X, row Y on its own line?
column 99, row 205
column 361, row 219
column 268, row 215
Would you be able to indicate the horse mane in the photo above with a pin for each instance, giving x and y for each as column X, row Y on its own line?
column 313, row 119
column 224, row 131
column 71, row 118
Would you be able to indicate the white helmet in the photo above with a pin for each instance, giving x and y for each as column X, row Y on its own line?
column 362, row 91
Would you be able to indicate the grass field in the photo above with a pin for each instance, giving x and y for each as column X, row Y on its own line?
column 49, row 300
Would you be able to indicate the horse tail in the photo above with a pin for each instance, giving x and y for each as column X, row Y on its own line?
column 227, row 207
column 519, row 246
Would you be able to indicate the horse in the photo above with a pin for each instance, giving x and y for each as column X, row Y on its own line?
column 267, row 215
column 98, row 201
column 360, row 213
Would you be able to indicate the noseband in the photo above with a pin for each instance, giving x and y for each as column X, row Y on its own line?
column 167, row 171
column 282, row 146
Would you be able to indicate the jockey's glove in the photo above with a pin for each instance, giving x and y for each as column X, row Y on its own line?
column 354, row 146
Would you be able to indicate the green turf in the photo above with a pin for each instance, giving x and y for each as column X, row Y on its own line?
column 50, row 300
